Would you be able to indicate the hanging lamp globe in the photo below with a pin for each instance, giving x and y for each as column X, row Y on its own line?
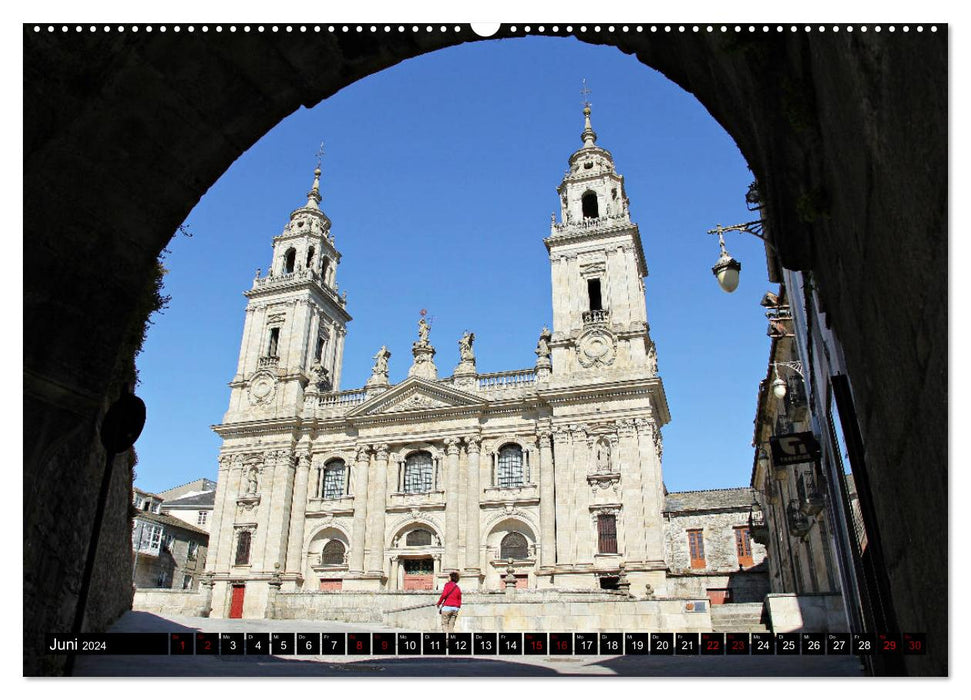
column 726, row 271
column 779, row 387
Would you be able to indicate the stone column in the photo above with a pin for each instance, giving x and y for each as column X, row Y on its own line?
column 245, row 343
column 564, row 496
column 298, row 509
column 255, row 340
column 339, row 333
column 579, row 524
column 277, row 490
column 450, row 562
column 379, row 507
column 631, row 540
column 472, row 525
column 649, row 450
column 222, row 512
column 356, row 558
column 547, row 502
column 231, row 513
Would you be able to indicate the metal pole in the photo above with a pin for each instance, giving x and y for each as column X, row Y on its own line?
column 121, row 426
column 92, row 554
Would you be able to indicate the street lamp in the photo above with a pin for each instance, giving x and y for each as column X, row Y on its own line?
column 779, row 386
column 726, row 269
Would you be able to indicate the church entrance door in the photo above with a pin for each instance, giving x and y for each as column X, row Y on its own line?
column 419, row 574
column 236, row 606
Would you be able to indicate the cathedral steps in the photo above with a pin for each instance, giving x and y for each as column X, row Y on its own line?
column 737, row 617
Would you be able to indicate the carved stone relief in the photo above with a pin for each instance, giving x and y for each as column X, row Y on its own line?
column 262, row 388
column 596, row 347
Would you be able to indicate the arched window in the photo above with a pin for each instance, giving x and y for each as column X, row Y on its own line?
column 333, row 484
column 418, row 475
column 591, row 210
column 513, row 546
column 509, row 471
column 242, row 547
column 310, row 258
column 289, row 261
column 418, row 538
column 333, row 554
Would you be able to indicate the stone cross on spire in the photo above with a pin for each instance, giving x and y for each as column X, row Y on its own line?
column 585, row 91
column 589, row 136
column 313, row 196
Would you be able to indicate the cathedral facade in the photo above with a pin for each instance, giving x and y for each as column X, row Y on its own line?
column 547, row 477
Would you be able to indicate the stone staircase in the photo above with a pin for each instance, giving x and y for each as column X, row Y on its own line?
column 737, row 617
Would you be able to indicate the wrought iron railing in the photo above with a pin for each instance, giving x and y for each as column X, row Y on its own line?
column 810, row 497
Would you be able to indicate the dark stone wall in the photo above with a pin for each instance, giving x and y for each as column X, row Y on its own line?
column 64, row 464
column 846, row 133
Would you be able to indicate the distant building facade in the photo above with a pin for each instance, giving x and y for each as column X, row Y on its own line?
column 710, row 549
column 146, row 501
column 167, row 551
column 192, row 503
column 794, row 521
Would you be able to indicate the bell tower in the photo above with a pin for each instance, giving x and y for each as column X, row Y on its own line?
column 293, row 335
column 599, row 313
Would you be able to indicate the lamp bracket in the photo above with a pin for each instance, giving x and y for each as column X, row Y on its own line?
column 756, row 228
column 794, row 365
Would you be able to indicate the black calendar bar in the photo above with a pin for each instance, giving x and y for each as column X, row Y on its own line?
column 486, row 643
column 93, row 643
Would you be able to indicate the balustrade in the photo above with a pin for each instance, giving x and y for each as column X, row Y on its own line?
column 343, row 398
column 596, row 316
column 505, row 380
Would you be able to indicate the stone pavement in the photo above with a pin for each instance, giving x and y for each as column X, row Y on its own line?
column 377, row 666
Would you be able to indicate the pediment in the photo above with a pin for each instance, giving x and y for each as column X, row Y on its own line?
column 416, row 394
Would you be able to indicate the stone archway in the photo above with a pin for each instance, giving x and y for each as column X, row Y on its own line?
column 846, row 133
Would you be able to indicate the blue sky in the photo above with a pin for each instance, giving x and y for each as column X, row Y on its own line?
column 439, row 176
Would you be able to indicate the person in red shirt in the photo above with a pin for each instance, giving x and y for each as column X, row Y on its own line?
column 450, row 602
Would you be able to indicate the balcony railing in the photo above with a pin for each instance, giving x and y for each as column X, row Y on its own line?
column 797, row 405
column 810, row 497
column 758, row 527
column 507, row 380
column 297, row 275
column 343, row 398
column 596, row 316
column 586, row 223
column 268, row 362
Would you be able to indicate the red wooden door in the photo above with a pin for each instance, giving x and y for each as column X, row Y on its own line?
column 236, row 606
column 419, row 575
